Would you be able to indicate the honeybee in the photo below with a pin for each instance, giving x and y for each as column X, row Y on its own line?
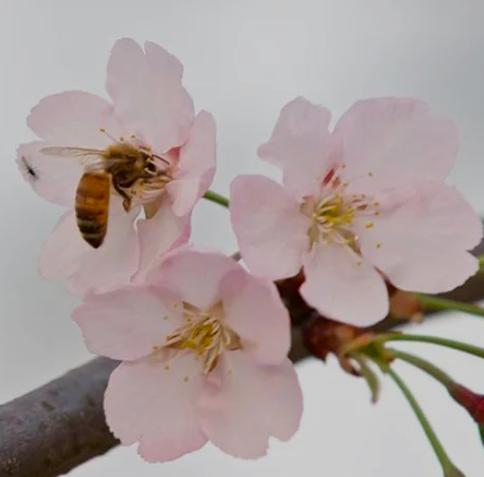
column 121, row 165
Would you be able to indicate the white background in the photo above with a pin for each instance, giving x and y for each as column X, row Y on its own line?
column 243, row 61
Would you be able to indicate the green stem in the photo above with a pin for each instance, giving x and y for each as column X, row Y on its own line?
column 435, row 303
column 480, row 258
column 450, row 470
column 370, row 377
column 457, row 345
column 217, row 198
column 423, row 365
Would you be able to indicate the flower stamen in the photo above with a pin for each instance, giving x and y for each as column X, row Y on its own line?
column 333, row 213
column 205, row 334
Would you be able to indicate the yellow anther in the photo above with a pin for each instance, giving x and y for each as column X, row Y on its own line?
column 378, row 245
column 166, row 367
column 369, row 225
column 185, row 379
column 166, row 317
column 370, row 174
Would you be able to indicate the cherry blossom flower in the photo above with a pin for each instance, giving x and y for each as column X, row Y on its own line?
column 204, row 350
column 151, row 114
column 359, row 204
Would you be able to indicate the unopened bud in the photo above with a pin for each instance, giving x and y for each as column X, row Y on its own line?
column 469, row 400
column 405, row 305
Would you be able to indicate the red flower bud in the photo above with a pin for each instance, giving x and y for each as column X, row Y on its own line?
column 472, row 402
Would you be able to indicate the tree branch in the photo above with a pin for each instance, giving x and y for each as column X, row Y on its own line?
column 61, row 425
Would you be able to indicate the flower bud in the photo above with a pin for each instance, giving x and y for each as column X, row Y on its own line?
column 404, row 305
column 472, row 402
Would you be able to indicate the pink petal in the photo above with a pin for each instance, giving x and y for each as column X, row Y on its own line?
column 244, row 404
column 196, row 275
column 196, row 166
column 74, row 119
column 396, row 141
column 343, row 286
column 67, row 256
column 160, row 234
column 421, row 238
column 147, row 93
column 130, row 322
column 300, row 145
column 270, row 228
column 254, row 310
column 154, row 406
column 55, row 178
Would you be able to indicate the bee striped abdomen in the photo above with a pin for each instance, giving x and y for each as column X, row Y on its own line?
column 92, row 207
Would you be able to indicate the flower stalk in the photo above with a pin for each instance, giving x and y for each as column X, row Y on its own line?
column 472, row 402
column 448, row 467
column 443, row 304
column 217, row 198
column 447, row 343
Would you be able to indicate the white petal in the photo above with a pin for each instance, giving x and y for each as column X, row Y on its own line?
column 130, row 322
column 74, row 118
column 147, row 93
column 300, row 145
column 159, row 235
column 390, row 142
column 245, row 404
column 53, row 178
column 196, row 166
column 255, row 311
column 271, row 230
column 155, row 406
column 67, row 256
column 421, row 238
column 343, row 286
column 196, row 275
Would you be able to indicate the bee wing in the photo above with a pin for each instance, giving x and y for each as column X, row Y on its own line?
column 90, row 158
column 74, row 152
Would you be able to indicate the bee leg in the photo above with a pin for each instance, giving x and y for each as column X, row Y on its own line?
column 127, row 204
column 124, row 195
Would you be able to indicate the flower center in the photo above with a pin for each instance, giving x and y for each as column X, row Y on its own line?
column 205, row 333
column 333, row 212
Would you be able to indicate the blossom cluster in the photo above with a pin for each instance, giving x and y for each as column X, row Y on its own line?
column 203, row 340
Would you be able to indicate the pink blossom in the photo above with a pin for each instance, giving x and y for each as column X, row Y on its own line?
column 204, row 350
column 151, row 111
column 359, row 204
